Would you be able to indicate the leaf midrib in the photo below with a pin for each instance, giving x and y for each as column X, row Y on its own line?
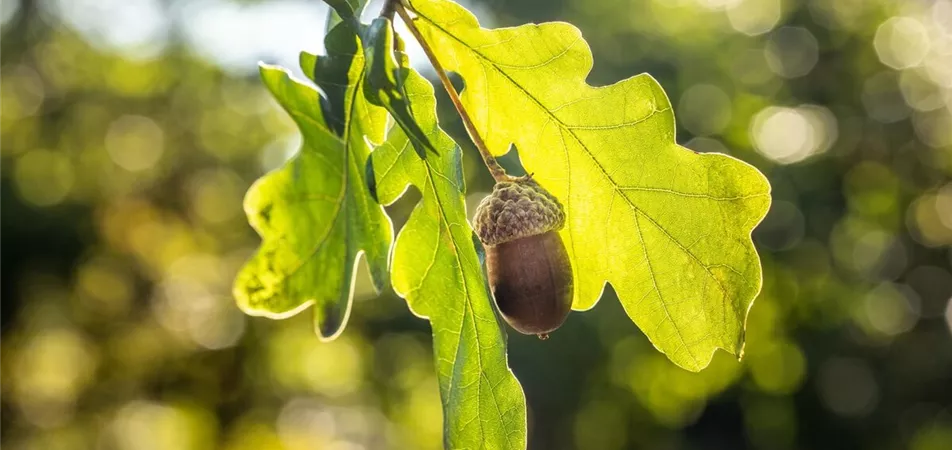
column 467, row 306
column 468, row 310
column 341, row 203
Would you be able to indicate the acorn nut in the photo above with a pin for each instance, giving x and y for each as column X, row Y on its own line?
column 528, row 268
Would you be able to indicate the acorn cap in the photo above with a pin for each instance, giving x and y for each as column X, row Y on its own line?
column 517, row 209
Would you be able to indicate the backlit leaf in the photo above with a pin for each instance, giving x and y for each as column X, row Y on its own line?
column 384, row 84
column 668, row 228
column 315, row 214
column 437, row 269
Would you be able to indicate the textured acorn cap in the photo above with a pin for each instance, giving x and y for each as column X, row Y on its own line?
column 515, row 210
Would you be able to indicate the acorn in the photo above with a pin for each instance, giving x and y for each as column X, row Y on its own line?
column 528, row 268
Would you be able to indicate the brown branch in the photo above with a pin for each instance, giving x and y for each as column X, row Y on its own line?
column 497, row 171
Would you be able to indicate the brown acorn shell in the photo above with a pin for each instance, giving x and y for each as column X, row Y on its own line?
column 531, row 280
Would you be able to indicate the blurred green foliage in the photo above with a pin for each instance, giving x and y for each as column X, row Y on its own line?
column 128, row 141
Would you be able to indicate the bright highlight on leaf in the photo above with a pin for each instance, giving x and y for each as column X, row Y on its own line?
column 437, row 269
column 315, row 214
column 668, row 228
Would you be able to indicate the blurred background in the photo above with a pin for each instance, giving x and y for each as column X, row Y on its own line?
column 131, row 129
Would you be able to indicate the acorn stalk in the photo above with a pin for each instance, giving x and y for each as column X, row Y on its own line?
column 527, row 266
column 526, row 262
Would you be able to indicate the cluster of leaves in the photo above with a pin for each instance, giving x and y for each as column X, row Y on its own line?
column 674, row 225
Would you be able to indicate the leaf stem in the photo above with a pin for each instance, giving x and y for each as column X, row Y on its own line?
column 497, row 171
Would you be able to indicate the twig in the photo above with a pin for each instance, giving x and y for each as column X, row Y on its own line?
column 497, row 171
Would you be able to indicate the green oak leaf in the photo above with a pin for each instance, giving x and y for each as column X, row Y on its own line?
column 668, row 228
column 384, row 84
column 343, row 9
column 315, row 214
column 437, row 269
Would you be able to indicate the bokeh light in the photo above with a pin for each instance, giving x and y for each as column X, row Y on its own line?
column 754, row 17
column 901, row 42
column 889, row 310
column 848, row 387
column 789, row 135
column 792, row 52
column 135, row 143
column 43, row 177
column 883, row 98
column 704, row 110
